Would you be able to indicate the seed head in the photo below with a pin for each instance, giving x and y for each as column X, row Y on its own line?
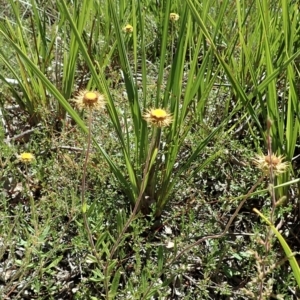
column 128, row 28
column 158, row 117
column 264, row 162
column 26, row 157
column 89, row 100
column 174, row 17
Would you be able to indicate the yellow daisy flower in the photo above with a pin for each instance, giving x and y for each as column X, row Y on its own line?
column 128, row 28
column 264, row 163
column 89, row 100
column 174, row 17
column 26, row 157
column 158, row 117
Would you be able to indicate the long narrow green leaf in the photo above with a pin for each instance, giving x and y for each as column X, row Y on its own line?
column 288, row 252
column 53, row 90
column 163, row 51
column 100, row 81
column 235, row 84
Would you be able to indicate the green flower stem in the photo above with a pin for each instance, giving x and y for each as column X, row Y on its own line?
column 83, row 201
column 32, row 204
column 138, row 205
column 152, row 174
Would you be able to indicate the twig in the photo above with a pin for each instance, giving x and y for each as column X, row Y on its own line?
column 19, row 136
column 70, row 148
column 226, row 227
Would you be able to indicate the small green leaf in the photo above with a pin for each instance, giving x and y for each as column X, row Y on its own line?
column 160, row 258
column 54, row 263
column 115, row 284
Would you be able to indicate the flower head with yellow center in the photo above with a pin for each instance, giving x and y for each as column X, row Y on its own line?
column 265, row 162
column 174, row 17
column 158, row 117
column 26, row 157
column 91, row 100
column 128, row 28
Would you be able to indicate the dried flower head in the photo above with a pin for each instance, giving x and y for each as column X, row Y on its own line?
column 158, row 117
column 26, row 157
column 89, row 100
column 128, row 28
column 264, row 162
column 174, row 17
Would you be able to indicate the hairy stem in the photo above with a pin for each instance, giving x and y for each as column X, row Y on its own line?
column 83, row 201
